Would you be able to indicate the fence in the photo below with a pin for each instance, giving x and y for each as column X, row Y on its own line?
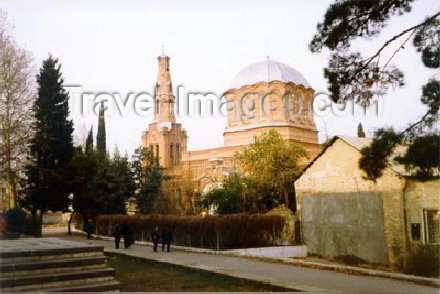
column 215, row 232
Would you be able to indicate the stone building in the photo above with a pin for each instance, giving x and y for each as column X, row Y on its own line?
column 342, row 213
column 165, row 137
column 264, row 96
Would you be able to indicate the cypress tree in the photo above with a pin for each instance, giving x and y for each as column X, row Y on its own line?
column 100, row 136
column 52, row 146
column 360, row 131
column 89, row 141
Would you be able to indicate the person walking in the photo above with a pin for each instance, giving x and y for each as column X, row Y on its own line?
column 155, row 238
column 167, row 237
column 128, row 235
column 89, row 228
column 117, row 235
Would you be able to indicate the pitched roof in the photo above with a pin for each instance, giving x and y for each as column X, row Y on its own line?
column 359, row 144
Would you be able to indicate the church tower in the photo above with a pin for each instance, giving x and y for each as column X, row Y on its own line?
column 163, row 93
column 166, row 138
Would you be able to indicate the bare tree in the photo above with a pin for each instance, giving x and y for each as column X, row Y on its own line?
column 17, row 93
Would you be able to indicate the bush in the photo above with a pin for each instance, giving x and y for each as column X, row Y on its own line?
column 215, row 232
column 15, row 220
column 32, row 225
column 424, row 260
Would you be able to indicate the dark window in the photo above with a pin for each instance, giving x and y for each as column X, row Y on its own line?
column 415, row 231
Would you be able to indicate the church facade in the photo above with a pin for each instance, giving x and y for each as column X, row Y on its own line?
column 267, row 95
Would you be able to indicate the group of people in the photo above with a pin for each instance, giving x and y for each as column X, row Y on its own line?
column 166, row 237
column 126, row 232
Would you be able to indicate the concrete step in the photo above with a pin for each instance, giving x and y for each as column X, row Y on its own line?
column 65, row 279
column 97, row 287
column 59, row 284
column 51, row 266
column 15, row 257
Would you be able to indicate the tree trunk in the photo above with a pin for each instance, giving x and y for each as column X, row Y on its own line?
column 40, row 233
column 11, row 190
column 7, row 168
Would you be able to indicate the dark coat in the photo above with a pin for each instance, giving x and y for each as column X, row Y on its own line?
column 167, row 236
column 155, row 237
column 117, row 231
column 126, row 231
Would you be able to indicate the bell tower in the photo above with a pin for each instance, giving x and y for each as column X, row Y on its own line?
column 163, row 93
column 166, row 138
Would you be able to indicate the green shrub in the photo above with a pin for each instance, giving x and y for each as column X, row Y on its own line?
column 424, row 260
column 15, row 220
column 215, row 232
column 32, row 225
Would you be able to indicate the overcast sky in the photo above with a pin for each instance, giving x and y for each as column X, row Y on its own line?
column 112, row 46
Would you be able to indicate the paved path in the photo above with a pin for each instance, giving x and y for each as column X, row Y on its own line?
column 294, row 277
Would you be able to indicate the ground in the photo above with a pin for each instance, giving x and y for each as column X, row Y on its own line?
column 282, row 275
column 132, row 273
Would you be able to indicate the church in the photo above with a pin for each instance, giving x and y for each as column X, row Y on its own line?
column 280, row 98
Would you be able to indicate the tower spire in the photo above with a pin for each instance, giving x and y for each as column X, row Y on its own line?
column 164, row 97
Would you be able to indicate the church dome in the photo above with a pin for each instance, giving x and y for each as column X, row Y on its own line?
column 267, row 71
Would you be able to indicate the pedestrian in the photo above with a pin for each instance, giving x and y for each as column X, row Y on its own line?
column 128, row 235
column 117, row 235
column 155, row 238
column 167, row 237
column 89, row 228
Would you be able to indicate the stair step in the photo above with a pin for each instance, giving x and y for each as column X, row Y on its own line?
column 53, row 266
column 97, row 287
column 50, row 251
column 47, row 264
column 40, row 280
column 49, row 257
column 59, row 284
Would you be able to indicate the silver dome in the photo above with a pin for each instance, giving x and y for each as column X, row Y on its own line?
column 267, row 71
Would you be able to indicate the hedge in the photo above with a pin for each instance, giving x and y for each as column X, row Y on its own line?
column 215, row 232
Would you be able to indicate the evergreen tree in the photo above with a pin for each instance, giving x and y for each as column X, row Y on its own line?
column 89, row 141
column 112, row 185
column 148, row 178
column 100, row 136
column 83, row 172
column 352, row 76
column 52, row 147
column 360, row 131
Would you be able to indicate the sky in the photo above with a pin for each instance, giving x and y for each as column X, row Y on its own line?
column 112, row 47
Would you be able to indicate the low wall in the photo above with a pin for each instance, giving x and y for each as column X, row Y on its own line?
column 52, row 218
column 278, row 251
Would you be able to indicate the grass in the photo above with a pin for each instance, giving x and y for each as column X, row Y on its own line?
column 138, row 274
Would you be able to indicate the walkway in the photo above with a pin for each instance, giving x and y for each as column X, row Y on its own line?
column 289, row 276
